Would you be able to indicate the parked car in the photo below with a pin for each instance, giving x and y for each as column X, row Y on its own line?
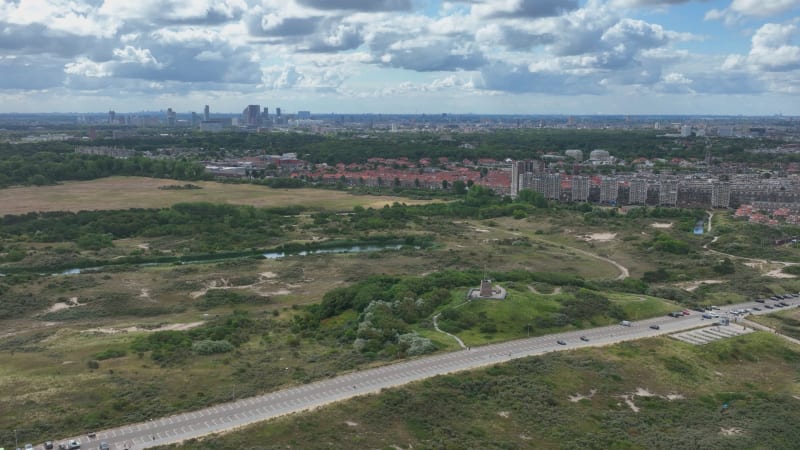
column 675, row 314
column 48, row 445
column 685, row 312
column 584, row 339
column 756, row 308
column 560, row 342
column 768, row 306
column 655, row 327
column 760, row 300
column 625, row 323
column 28, row 446
column 104, row 446
column 783, row 303
column 73, row 445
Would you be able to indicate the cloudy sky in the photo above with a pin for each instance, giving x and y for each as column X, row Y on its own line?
column 402, row 56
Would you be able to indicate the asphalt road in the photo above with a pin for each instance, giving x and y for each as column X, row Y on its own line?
column 242, row 412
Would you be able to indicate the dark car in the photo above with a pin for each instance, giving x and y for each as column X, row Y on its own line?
column 560, row 342
column 675, row 314
column 48, row 445
column 783, row 303
column 760, row 300
column 584, row 339
column 768, row 306
column 655, row 327
column 756, row 308
column 104, row 446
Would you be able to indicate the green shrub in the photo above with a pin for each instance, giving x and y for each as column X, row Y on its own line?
column 209, row 347
column 109, row 354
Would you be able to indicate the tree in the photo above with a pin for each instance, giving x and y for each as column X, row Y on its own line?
column 445, row 184
column 459, row 187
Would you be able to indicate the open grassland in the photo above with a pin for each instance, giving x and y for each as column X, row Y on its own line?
column 67, row 342
column 654, row 393
column 140, row 192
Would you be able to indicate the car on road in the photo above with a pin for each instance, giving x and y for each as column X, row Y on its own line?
column 73, row 445
column 760, row 300
column 48, row 445
column 104, row 446
column 560, row 342
column 768, row 306
column 625, row 323
column 584, row 339
column 675, row 314
column 28, row 446
column 655, row 327
column 686, row 312
column 756, row 308
column 783, row 303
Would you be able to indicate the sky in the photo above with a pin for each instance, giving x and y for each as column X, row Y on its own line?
column 723, row 57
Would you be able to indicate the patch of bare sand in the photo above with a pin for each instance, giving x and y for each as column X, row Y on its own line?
column 693, row 285
column 578, row 397
column 71, row 303
column 135, row 329
column 628, row 398
column 223, row 283
column 778, row 273
column 504, row 414
column 732, row 431
column 350, row 423
column 642, row 392
column 598, row 237
column 661, row 225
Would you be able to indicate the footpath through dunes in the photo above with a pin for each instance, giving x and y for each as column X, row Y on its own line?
column 141, row 192
column 229, row 416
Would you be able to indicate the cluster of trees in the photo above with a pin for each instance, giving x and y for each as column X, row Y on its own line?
column 218, row 336
column 386, row 308
column 213, row 227
column 666, row 243
column 43, row 168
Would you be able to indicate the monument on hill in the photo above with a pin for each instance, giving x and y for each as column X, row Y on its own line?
column 487, row 290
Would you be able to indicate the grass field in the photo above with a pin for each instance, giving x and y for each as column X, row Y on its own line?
column 46, row 378
column 653, row 393
column 140, row 192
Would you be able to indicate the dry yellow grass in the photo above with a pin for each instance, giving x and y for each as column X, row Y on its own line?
column 139, row 192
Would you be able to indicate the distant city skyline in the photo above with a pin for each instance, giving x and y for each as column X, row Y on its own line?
column 567, row 57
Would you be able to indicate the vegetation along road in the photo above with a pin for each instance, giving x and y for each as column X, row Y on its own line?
column 232, row 415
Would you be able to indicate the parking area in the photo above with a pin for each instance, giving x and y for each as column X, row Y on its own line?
column 708, row 334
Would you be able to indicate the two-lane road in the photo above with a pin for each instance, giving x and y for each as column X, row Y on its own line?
column 231, row 415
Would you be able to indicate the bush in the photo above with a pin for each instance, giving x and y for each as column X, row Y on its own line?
column 209, row 347
column 109, row 354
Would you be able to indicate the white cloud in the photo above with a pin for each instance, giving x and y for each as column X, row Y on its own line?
column 742, row 9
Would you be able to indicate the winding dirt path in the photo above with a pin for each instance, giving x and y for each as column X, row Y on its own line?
column 436, row 326
column 556, row 291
